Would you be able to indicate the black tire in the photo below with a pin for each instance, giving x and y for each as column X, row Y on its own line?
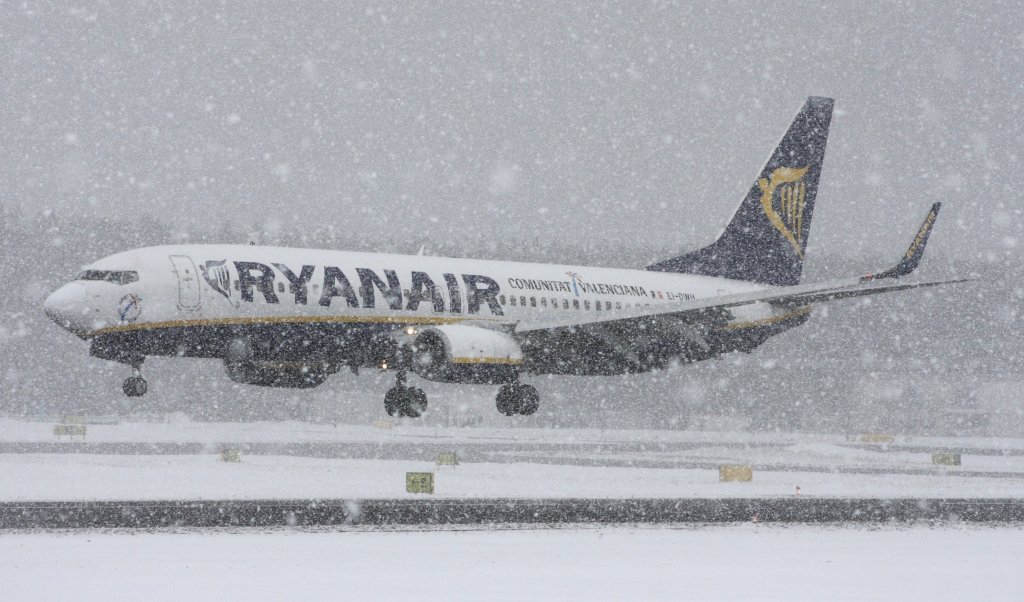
column 393, row 400
column 135, row 386
column 529, row 400
column 507, row 400
column 415, row 403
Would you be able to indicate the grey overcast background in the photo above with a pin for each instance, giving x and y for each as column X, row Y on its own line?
column 596, row 133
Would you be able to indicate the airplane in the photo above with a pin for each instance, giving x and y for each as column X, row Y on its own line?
column 290, row 317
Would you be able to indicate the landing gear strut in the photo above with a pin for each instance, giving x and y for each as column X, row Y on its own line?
column 516, row 398
column 135, row 385
column 405, row 401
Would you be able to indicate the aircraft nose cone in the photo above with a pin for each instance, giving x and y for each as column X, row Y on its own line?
column 68, row 307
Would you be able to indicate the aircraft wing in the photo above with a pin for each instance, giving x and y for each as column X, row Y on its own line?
column 789, row 296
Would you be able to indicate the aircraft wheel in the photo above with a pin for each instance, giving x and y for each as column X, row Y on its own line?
column 393, row 399
column 415, row 403
column 507, row 400
column 135, row 386
column 529, row 400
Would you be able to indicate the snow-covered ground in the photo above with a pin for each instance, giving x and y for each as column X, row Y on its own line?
column 62, row 477
column 178, row 429
column 741, row 562
column 368, row 462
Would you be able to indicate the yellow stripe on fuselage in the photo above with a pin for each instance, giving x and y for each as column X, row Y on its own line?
column 397, row 320
column 486, row 360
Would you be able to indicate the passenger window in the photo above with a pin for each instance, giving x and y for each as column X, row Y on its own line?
column 544, row 301
column 501, row 299
column 513, row 300
column 586, row 305
column 554, row 303
column 565, row 304
column 522, row 301
column 533, row 301
column 618, row 305
column 575, row 303
column 607, row 304
column 236, row 285
column 597, row 305
column 280, row 287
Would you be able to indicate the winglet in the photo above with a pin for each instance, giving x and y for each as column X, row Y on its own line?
column 914, row 253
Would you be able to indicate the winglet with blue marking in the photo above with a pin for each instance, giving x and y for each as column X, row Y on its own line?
column 912, row 257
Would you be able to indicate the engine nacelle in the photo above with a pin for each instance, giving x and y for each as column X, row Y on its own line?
column 465, row 354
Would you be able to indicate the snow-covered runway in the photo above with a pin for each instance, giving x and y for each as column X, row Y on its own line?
column 172, row 461
column 743, row 562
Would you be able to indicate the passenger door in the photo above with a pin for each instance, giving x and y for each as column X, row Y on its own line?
column 188, row 282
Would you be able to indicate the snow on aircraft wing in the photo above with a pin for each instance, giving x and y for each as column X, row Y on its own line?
column 789, row 296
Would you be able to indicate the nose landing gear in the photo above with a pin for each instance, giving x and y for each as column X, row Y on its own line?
column 135, row 385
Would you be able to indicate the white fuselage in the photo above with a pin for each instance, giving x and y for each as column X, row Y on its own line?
column 206, row 285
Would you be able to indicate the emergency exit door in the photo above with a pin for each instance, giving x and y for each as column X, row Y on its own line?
column 188, row 282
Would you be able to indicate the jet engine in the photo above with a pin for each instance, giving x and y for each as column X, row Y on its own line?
column 465, row 354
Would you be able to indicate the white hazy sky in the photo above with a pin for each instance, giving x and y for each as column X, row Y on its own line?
column 621, row 121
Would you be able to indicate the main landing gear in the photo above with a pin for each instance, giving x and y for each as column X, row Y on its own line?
column 405, row 401
column 411, row 402
column 516, row 398
column 135, row 385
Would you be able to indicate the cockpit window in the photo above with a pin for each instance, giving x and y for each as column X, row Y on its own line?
column 117, row 277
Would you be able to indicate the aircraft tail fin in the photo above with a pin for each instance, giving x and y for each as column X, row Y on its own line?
column 766, row 239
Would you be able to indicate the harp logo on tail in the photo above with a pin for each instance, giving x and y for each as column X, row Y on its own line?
column 218, row 276
column 783, row 196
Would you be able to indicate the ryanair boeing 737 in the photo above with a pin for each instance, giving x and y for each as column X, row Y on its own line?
column 283, row 317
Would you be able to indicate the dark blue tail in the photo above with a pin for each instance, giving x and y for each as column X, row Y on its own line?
column 766, row 239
